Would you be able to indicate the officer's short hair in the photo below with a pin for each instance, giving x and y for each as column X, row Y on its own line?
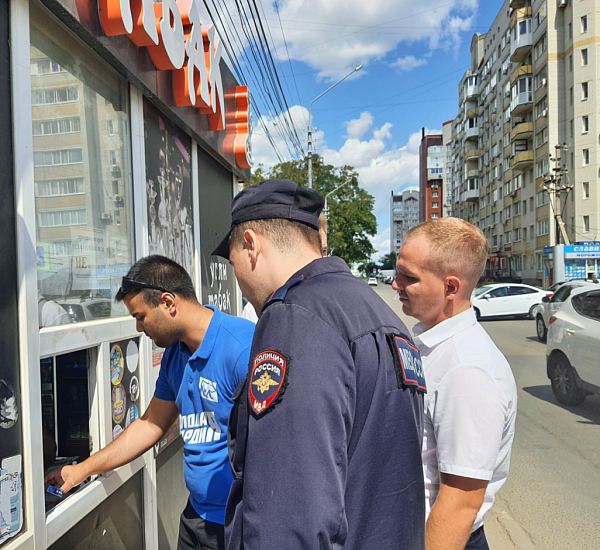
column 162, row 272
column 455, row 246
column 284, row 234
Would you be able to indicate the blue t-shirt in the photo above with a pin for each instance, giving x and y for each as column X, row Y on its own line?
column 202, row 385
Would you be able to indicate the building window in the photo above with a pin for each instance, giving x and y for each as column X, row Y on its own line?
column 59, row 187
column 586, row 224
column 584, row 24
column 77, row 256
column 59, row 126
column 110, row 128
column 435, row 216
column 540, row 47
column 57, row 218
column 56, row 95
column 543, row 198
column 586, row 157
column 585, row 124
column 584, row 57
column 543, row 227
column 525, row 234
column 517, row 235
column 571, row 96
column 541, row 107
column 541, row 137
column 584, row 90
column 57, row 158
column 435, row 205
column 571, row 63
column 542, row 167
column 586, row 190
column 435, row 194
column 538, row 256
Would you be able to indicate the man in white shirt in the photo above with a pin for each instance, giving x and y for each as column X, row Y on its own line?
column 471, row 401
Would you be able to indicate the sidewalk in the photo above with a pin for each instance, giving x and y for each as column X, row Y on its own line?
column 503, row 532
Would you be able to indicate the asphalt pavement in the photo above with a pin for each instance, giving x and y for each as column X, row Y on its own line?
column 551, row 500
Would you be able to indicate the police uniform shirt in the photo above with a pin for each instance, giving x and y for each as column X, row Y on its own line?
column 325, row 437
column 202, row 385
column 470, row 406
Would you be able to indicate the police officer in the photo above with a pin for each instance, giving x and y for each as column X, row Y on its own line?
column 325, row 435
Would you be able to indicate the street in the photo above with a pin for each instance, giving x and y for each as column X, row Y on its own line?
column 551, row 500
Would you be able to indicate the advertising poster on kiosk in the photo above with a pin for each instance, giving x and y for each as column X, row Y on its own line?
column 125, row 385
column 168, row 189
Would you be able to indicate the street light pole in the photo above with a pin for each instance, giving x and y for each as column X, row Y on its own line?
column 554, row 186
column 325, row 209
column 310, row 171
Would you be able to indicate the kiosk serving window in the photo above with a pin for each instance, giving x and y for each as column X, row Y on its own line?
column 83, row 184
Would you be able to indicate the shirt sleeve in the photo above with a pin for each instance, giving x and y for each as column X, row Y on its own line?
column 296, row 455
column 241, row 367
column 163, row 388
column 468, row 420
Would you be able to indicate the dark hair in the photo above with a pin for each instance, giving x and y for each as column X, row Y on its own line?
column 284, row 234
column 163, row 272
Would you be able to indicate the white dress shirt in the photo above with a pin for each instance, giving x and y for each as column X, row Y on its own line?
column 470, row 406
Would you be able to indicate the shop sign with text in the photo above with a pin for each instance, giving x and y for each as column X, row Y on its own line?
column 177, row 41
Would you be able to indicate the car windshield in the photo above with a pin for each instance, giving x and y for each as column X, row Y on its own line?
column 480, row 291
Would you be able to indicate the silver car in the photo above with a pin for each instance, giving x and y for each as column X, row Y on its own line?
column 573, row 348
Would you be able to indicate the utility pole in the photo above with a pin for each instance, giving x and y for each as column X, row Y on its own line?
column 309, row 144
column 555, row 188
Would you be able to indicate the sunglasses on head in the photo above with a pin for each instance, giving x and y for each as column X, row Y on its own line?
column 127, row 285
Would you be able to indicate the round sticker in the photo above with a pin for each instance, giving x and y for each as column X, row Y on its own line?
column 132, row 356
column 132, row 414
column 117, row 364
column 119, row 403
column 117, row 431
column 134, row 388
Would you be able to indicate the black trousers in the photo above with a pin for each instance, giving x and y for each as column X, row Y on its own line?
column 198, row 534
column 477, row 541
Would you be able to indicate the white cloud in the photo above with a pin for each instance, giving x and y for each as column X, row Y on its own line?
column 358, row 127
column 381, row 243
column 408, row 63
column 335, row 36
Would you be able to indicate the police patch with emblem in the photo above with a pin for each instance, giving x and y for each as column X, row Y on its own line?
column 268, row 380
column 407, row 363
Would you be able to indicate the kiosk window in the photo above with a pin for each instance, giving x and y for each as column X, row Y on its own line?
column 65, row 411
column 82, row 178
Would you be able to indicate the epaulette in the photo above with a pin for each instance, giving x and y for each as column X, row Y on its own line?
column 280, row 294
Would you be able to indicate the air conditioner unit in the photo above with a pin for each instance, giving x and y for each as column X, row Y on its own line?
column 544, row 82
column 562, row 3
column 507, row 93
column 504, row 70
column 117, row 198
column 545, row 112
column 105, row 216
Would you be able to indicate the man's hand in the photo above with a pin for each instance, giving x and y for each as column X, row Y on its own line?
column 454, row 512
column 66, row 477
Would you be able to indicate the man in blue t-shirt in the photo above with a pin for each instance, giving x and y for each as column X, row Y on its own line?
column 206, row 359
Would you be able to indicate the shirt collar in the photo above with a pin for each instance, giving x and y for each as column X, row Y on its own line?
column 331, row 264
column 444, row 330
column 210, row 337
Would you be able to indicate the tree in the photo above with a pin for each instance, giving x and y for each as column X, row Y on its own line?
column 388, row 261
column 351, row 218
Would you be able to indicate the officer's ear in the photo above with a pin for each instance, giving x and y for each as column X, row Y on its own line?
column 252, row 245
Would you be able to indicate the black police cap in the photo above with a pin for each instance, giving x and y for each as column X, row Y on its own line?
column 283, row 199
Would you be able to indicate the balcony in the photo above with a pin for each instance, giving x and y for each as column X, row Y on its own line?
column 517, row 4
column 522, row 37
column 473, row 154
column 522, row 160
column 471, row 87
column 431, row 175
column 472, row 133
column 471, row 195
column 522, row 131
column 521, row 91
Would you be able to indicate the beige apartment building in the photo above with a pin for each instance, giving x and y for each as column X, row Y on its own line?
column 531, row 88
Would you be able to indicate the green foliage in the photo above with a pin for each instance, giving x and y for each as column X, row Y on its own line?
column 367, row 268
column 388, row 261
column 351, row 218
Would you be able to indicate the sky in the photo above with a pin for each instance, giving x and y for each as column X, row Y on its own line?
column 413, row 56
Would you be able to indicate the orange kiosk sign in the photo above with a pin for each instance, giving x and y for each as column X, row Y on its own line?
column 177, row 41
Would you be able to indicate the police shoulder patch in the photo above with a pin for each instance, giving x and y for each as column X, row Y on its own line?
column 407, row 363
column 268, row 380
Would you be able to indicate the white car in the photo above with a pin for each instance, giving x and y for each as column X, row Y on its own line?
column 573, row 347
column 550, row 305
column 506, row 299
column 372, row 281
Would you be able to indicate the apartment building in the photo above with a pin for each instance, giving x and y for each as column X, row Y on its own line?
column 447, row 175
column 432, row 159
column 529, row 98
column 404, row 214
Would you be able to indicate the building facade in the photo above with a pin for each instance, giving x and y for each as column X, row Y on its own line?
column 108, row 156
column 528, row 106
column 404, row 214
column 432, row 159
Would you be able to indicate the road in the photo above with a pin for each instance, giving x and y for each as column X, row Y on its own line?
column 551, row 500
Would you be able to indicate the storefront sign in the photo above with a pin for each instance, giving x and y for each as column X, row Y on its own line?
column 176, row 40
column 582, row 251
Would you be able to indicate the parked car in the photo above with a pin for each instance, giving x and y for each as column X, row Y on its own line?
column 551, row 304
column 506, row 299
column 573, row 347
column 388, row 280
column 90, row 310
column 372, row 281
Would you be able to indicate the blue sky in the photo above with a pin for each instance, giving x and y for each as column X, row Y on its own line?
column 413, row 53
